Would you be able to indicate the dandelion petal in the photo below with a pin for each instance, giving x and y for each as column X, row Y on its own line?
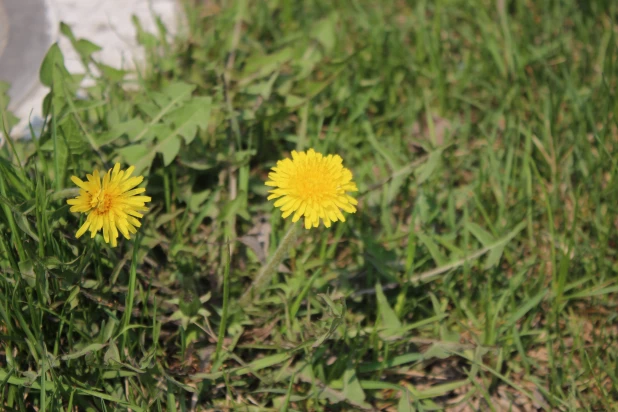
column 312, row 186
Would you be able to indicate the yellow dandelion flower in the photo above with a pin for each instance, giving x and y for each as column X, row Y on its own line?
column 313, row 186
column 111, row 203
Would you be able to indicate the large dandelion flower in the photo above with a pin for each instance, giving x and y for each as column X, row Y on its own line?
column 313, row 186
column 111, row 204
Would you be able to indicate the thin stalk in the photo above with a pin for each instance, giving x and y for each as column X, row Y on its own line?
column 130, row 293
column 166, row 190
column 226, row 297
column 266, row 272
column 40, row 202
column 12, row 225
column 9, row 253
column 42, row 395
column 56, row 158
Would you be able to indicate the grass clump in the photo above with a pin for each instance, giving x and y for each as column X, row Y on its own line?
column 479, row 271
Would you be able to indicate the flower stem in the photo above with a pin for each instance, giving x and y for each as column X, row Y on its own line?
column 266, row 272
column 226, row 297
column 129, row 297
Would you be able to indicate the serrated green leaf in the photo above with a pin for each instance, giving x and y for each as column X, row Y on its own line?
column 197, row 199
column 184, row 121
column 427, row 169
column 233, row 207
column 112, row 73
column 24, row 224
column 293, row 101
column 324, row 31
column 130, row 128
column 434, row 251
column 493, row 258
column 389, row 363
column 112, row 356
column 84, row 48
column 351, row 386
column 72, row 136
column 440, row 389
column 379, row 148
column 72, row 300
column 108, row 329
column 90, row 284
column 196, row 165
column 187, row 388
column 140, row 152
column 167, row 217
column 191, row 117
column 387, row 315
column 336, row 310
column 160, row 104
column 53, row 59
column 7, row 120
column 263, row 65
column 438, row 350
column 486, row 239
column 254, row 366
column 594, row 291
column 264, row 88
column 169, row 148
column 93, row 347
column 480, row 234
column 26, row 269
column 530, row 304
column 405, row 404
column 178, row 91
column 334, row 324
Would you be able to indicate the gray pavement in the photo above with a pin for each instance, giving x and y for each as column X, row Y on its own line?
column 25, row 37
column 29, row 27
column 4, row 28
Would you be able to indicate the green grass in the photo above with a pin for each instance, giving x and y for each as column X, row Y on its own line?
column 479, row 271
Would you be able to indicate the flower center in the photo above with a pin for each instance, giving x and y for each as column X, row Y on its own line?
column 314, row 183
column 101, row 202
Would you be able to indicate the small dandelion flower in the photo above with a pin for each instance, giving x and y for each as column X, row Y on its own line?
column 313, row 186
column 111, row 203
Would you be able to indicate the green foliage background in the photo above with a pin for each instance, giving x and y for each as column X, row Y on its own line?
column 479, row 272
